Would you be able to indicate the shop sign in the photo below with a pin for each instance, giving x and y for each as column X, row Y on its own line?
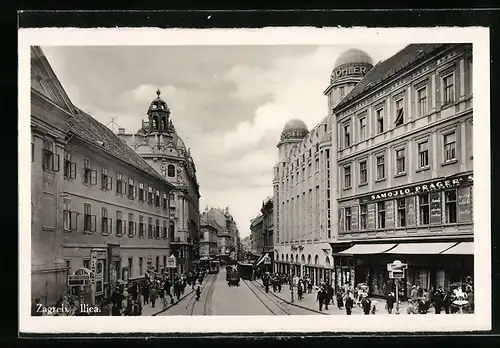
column 396, row 270
column 431, row 186
column 93, row 266
column 171, row 262
column 354, row 70
column 80, row 277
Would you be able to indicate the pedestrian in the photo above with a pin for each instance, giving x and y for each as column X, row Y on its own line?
column 145, row 292
column 447, row 301
column 389, row 305
column 137, row 308
column 321, row 298
column 300, row 290
column 198, row 293
column 340, row 300
column 153, row 296
column 309, row 286
column 329, row 292
column 349, row 303
column 366, row 304
column 115, row 309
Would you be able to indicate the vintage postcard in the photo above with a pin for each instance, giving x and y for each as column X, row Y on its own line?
column 267, row 180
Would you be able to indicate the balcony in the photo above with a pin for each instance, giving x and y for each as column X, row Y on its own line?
column 181, row 241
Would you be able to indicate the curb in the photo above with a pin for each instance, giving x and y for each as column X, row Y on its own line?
column 172, row 305
column 292, row 303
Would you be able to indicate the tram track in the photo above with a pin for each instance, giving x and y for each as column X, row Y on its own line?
column 279, row 310
column 191, row 305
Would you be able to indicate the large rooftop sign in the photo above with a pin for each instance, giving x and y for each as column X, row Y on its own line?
column 352, row 69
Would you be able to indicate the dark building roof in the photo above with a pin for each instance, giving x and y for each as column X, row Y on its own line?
column 89, row 129
column 387, row 68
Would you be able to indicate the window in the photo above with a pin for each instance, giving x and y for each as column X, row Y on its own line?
column 317, row 147
column 310, row 153
column 363, row 213
column 157, row 198
column 106, row 180
column 347, row 219
column 450, row 203
column 142, row 231
column 171, row 170
column 347, row 176
column 381, row 215
column 131, row 225
column 399, row 113
column 165, row 229
column 165, row 203
column 141, row 266
column 141, row 192
column 424, row 209
column 449, row 147
column 106, row 222
column 303, row 158
column 150, row 195
column 448, row 90
column 120, row 224
column 50, row 159
column 422, row 101
column 380, row 167
column 121, row 185
column 342, row 91
column 362, row 128
column 70, row 218
column 89, row 220
column 363, row 173
column 400, row 161
column 401, row 212
column 157, row 231
column 150, row 228
column 347, row 135
column 130, row 266
column 69, row 167
column 316, row 164
column 89, row 175
column 86, row 264
column 380, row 120
column 423, row 154
column 132, row 190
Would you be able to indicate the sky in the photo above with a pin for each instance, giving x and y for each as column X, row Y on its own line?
column 228, row 103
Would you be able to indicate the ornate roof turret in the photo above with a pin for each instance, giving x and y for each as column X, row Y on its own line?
column 159, row 114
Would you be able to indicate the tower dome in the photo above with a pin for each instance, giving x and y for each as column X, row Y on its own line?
column 158, row 114
column 351, row 63
column 295, row 129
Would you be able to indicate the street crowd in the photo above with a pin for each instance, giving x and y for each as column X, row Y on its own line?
column 155, row 290
column 458, row 299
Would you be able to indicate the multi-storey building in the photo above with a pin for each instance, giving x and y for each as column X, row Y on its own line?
column 97, row 207
column 159, row 144
column 227, row 236
column 262, row 243
column 208, row 238
column 404, row 183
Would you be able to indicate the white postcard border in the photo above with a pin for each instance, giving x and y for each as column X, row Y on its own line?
column 479, row 37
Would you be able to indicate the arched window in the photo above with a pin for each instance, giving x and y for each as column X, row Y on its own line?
column 286, row 257
column 283, row 257
column 309, row 259
column 296, row 258
column 316, row 260
column 303, row 259
column 171, row 170
column 327, row 262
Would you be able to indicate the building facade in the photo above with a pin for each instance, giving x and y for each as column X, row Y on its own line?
column 262, row 236
column 257, row 235
column 97, row 207
column 158, row 143
column 208, row 238
column 404, row 182
column 228, row 234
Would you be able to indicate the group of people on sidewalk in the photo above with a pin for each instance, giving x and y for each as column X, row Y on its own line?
column 130, row 299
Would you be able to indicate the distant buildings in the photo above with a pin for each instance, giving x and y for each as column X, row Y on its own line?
column 98, row 209
column 228, row 234
column 262, row 235
column 209, row 231
column 159, row 144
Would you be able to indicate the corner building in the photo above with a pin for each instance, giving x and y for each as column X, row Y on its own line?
column 159, row 144
column 304, row 183
column 404, row 161
column 97, row 207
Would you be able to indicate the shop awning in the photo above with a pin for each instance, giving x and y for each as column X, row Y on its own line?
column 464, row 248
column 365, row 249
column 420, row 248
column 262, row 258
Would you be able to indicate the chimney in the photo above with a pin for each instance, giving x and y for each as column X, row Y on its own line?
column 121, row 130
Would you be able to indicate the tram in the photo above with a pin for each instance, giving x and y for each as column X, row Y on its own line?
column 214, row 267
column 245, row 270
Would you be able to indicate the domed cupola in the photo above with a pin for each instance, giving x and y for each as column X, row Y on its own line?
column 294, row 129
column 351, row 63
column 158, row 114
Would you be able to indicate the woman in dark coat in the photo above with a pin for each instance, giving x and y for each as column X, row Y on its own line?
column 390, row 302
column 349, row 303
column 340, row 300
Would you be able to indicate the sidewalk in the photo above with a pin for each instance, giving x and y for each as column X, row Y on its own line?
column 309, row 302
column 147, row 310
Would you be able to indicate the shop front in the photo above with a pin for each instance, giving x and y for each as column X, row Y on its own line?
column 114, row 268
